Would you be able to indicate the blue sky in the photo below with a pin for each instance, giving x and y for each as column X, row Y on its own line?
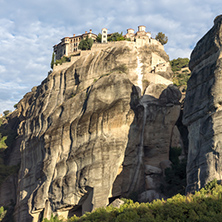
column 29, row 29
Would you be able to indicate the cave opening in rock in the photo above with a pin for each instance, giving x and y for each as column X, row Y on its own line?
column 76, row 210
column 111, row 199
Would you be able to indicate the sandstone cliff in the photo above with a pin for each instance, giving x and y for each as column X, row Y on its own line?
column 87, row 136
column 202, row 110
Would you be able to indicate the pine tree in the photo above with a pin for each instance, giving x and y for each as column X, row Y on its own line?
column 53, row 60
column 162, row 38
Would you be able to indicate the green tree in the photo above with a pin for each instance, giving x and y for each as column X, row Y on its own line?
column 179, row 63
column 2, row 213
column 162, row 38
column 52, row 219
column 86, row 44
column 16, row 106
column 99, row 37
column 53, row 60
column 6, row 112
column 116, row 37
column 181, row 72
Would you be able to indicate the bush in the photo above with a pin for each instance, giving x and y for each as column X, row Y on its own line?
column 179, row 63
column 180, row 76
column 116, row 37
column 86, row 44
column 99, row 37
column 204, row 205
column 62, row 60
column 2, row 213
column 6, row 112
column 53, row 219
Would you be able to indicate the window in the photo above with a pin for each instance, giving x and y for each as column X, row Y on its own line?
column 104, row 36
column 104, row 31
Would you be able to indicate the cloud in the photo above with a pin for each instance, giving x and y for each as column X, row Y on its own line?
column 29, row 29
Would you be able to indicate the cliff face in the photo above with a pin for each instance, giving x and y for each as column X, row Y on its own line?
column 87, row 137
column 202, row 110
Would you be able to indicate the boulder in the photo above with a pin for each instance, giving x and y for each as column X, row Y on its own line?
column 152, row 170
column 117, row 203
column 165, row 164
column 150, row 183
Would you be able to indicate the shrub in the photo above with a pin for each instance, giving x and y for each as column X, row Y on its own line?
column 204, row 205
column 62, row 60
column 99, row 37
column 2, row 213
column 86, row 44
column 116, row 37
column 179, row 63
column 6, row 112
column 53, row 219
column 180, row 77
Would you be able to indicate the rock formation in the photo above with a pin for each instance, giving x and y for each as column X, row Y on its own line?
column 202, row 110
column 87, row 138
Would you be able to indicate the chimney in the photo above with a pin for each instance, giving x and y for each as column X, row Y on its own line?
column 90, row 31
column 74, row 35
column 85, row 32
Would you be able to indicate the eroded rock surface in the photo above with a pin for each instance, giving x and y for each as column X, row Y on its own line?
column 86, row 136
column 202, row 110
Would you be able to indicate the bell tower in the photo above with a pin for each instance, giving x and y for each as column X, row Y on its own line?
column 104, row 35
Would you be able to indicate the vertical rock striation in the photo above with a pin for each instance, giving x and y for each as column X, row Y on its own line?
column 203, row 110
column 85, row 135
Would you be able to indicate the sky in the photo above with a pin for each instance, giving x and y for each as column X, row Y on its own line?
column 29, row 29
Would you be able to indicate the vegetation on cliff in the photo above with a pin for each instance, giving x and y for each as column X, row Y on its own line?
column 175, row 176
column 181, row 72
column 162, row 38
column 62, row 60
column 2, row 213
column 204, row 205
column 53, row 60
column 116, row 37
column 7, row 137
column 86, row 44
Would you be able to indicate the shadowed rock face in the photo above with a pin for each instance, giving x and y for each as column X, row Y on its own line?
column 81, row 131
column 202, row 110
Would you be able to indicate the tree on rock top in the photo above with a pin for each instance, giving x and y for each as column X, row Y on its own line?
column 162, row 38
column 116, row 37
column 86, row 44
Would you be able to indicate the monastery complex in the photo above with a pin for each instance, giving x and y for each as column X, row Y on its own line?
column 69, row 46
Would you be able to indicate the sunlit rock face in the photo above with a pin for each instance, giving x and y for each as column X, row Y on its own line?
column 88, row 137
column 202, row 110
